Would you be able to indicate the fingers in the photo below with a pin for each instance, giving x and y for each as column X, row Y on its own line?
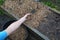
column 27, row 14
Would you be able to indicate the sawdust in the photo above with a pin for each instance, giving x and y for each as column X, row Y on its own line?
column 26, row 6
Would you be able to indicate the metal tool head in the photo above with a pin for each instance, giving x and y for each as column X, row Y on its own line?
column 33, row 11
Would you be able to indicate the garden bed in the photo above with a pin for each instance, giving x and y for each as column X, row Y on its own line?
column 43, row 19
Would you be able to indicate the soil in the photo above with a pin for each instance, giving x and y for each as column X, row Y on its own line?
column 3, row 20
column 19, row 34
column 50, row 25
column 41, row 19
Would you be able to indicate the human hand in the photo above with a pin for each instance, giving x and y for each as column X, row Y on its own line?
column 26, row 16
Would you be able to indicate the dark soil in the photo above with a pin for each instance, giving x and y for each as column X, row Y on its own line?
column 3, row 20
column 50, row 26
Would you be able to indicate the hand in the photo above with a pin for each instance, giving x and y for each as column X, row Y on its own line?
column 24, row 18
column 27, row 15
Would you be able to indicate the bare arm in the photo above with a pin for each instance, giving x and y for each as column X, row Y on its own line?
column 16, row 25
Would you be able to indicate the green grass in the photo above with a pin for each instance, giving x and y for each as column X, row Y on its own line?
column 1, row 2
column 52, row 5
column 1, row 12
